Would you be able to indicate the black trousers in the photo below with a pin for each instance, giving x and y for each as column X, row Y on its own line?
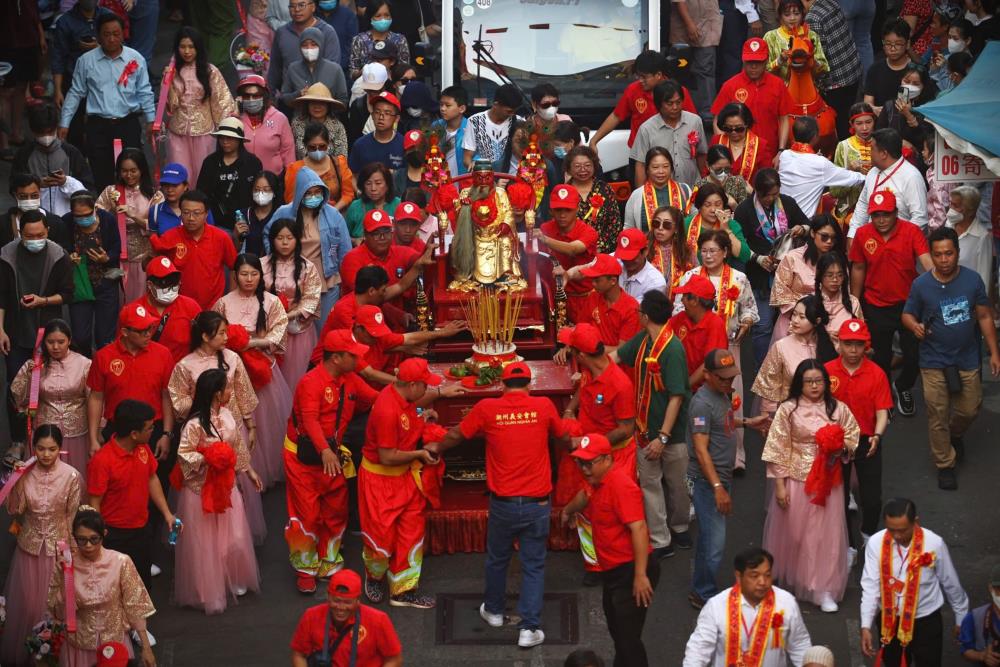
column 869, row 487
column 625, row 619
column 728, row 59
column 137, row 544
column 924, row 650
column 354, row 438
column 101, row 134
column 841, row 100
column 883, row 322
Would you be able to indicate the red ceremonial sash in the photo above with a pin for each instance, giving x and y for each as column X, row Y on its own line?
column 762, row 626
column 694, row 231
column 748, row 158
column 676, row 268
column 68, row 584
column 910, row 587
column 675, row 198
column 728, row 293
column 651, row 380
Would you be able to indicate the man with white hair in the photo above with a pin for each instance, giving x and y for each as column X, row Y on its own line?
column 975, row 242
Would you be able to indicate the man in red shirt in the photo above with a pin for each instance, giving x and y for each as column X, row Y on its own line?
column 862, row 386
column 883, row 259
column 386, row 348
column 614, row 539
column 614, row 312
column 371, row 287
column 377, row 248
column 765, row 94
column 365, row 630
column 407, row 220
column 391, row 496
column 201, row 251
column 517, row 428
column 698, row 327
column 325, row 400
column 121, row 480
column 572, row 242
column 175, row 311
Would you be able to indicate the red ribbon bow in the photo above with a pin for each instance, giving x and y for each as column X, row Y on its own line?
column 216, row 494
column 693, row 142
column 129, row 70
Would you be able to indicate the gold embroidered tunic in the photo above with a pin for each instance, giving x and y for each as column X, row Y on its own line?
column 47, row 501
column 791, row 442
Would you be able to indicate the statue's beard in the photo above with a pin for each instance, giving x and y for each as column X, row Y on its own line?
column 477, row 192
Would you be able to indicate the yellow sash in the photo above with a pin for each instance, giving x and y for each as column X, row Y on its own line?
column 346, row 465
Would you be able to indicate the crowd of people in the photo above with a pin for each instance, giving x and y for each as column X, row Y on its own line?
column 180, row 339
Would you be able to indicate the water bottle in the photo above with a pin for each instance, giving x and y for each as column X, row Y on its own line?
column 174, row 532
column 240, row 219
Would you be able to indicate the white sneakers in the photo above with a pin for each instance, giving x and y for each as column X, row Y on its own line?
column 493, row 620
column 528, row 638
column 852, row 557
column 827, row 604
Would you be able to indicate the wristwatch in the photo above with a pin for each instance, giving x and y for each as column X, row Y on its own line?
column 664, row 438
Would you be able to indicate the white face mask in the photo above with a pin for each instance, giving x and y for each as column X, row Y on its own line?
column 955, row 46
column 167, row 295
column 414, row 112
column 953, row 217
column 548, row 114
column 311, row 55
column 29, row 204
column 912, row 91
column 263, row 198
column 46, row 139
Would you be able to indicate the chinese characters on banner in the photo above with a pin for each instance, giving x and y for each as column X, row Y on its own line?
column 951, row 165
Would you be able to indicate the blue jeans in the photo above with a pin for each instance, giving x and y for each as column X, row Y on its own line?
column 760, row 333
column 143, row 19
column 326, row 303
column 860, row 14
column 711, row 539
column 528, row 524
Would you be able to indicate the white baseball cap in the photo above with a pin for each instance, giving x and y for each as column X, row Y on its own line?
column 374, row 76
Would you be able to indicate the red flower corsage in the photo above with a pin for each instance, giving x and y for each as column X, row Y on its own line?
column 652, row 365
column 596, row 201
column 129, row 70
column 777, row 620
column 737, row 402
column 284, row 302
column 926, row 559
column 733, row 293
column 693, row 142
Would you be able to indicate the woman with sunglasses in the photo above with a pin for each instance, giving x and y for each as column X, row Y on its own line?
column 667, row 250
column 45, row 499
column 750, row 152
column 660, row 189
column 110, row 597
column 720, row 172
column 796, row 274
column 832, row 285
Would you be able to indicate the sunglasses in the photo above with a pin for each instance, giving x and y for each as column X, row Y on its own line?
column 665, row 224
column 734, row 129
column 546, row 105
column 84, row 541
column 826, row 237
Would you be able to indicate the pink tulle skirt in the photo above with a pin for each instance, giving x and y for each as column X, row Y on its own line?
column 274, row 404
column 298, row 347
column 27, row 593
column 135, row 280
column 214, row 556
column 78, row 448
column 809, row 543
column 254, row 508
column 190, row 151
column 72, row 656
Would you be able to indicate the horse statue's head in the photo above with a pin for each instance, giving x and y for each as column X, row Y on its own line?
column 801, row 50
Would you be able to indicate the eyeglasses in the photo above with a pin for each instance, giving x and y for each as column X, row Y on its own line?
column 298, row 5
column 665, row 224
column 547, row 105
column 814, row 381
column 826, row 237
column 380, row 234
column 711, row 251
column 84, row 541
column 893, row 45
column 734, row 129
column 587, row 465
column 192, row 214
column 383, row 114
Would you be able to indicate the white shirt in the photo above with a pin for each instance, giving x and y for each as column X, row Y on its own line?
column 805, row 175
column 936, row 582
column 56, row 199
column 746, row 8
column 908, row 186
column 647, row 278
column 975, row 250
column 707, row 644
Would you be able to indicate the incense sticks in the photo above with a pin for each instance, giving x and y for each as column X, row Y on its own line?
column 492, row 323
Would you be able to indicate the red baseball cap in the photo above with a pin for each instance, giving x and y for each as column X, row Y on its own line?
column 882, row 201
column 371, row 318
column 376, row 219
column 755, row 50
column 252, row 80
column 564, row 196
column 387, row 97
column 697, row 285
column 854, row 330
column 411, row 139
column 415, row 369
column 135, row 316
column 591, row 446
column 515, row 370
column 161, row 267
column 603, row 265
column 342, row 340
column 407, row 210
column 630, row 244
column 345, row 584
column 584, row 337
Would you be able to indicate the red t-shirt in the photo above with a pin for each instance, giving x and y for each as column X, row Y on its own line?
column 377, row 640
column 398, row 257
column 767, row 98
column 314, row 406
column 606, row 400
column 517, row 427
column 617, row 322
column 379, row 357
column 613, row 504
column 891, row 265
column 342, row 317
column 201, row 262
column 636, row 105
column 121, row 480
column 120, row 375
column 176, row 335
column 863, row 393
column 392, row 424
column 698, row 339
column 580, row 231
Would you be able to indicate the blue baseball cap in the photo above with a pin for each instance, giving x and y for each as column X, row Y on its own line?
column 173, row 174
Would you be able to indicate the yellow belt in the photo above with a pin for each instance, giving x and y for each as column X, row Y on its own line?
column 414, row 468
column 346, row 462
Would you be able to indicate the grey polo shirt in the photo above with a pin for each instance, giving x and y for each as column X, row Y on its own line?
column 655, row 132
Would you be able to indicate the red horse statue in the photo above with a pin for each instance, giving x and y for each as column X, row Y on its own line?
column 805, row 95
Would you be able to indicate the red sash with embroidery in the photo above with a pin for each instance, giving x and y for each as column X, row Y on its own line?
column 766, row 621
column 909, row 587
column 748, row 158
column 694, row 231
column 728, row 293
column 676, row 268
column 675, row 198
column 651, row 380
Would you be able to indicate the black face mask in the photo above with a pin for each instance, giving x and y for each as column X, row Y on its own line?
column 414, row 159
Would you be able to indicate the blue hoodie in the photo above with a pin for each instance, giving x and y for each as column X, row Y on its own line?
column 334, row 239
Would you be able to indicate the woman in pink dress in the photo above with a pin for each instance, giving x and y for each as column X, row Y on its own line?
column 290, row 275
column 198, row 99
column 805, row 527
column 265, row 320
column 807, row 339
column 110, row 597
column 832, row 278
column 795, row 276
column 62, row 393
column 44, row 500
column 209, row 351
column 215, row 557
column 132, row 196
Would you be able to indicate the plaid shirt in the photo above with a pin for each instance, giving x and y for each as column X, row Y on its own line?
column 829, row 22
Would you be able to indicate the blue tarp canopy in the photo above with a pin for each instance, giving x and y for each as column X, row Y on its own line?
column 968, row 117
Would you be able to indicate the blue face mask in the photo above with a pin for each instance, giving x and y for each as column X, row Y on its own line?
column 87, row 221
column 312, row 201
column 381, row 25
column 327, row 5
column 559, row 152
column 316, row 156
column 35, row 245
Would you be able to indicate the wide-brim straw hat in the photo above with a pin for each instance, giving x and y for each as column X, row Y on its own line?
column 231, row 128
column 318, row 92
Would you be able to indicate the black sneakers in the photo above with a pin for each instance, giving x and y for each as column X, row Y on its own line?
column 681, row 540
column 904, row 402
column 947, row 481
column 412, row 599
column 958, row 444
